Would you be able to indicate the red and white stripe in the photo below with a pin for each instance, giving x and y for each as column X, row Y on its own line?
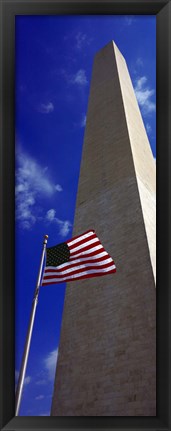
column 88, row 259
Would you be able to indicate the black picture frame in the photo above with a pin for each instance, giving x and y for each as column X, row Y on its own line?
column 8, row 10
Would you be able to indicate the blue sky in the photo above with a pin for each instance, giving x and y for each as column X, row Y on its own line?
column 54, row 58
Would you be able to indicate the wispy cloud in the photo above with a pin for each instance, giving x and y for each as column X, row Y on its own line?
column 78, row 39
column 50, row 362
column 83, row 121
column 144, row 95
column 47, row 374
column 32, row 182
column 129, row 19
column 58, row 188
column 139, row 62
column 137, row 66
column 63, row 225
column 79, row 78
column 46, row 108
column 39, row 397
column 82, row 40
column 27, row 379
column 148, row 128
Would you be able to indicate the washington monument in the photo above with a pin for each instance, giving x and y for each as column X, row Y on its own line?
column 107, row 353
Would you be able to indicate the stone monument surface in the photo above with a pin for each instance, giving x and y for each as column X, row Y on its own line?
column 107, row 353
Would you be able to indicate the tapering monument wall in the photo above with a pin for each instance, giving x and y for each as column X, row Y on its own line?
column 107, row 353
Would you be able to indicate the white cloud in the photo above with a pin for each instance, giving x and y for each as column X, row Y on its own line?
column 140, row 82
column 129, row 20
column 79, row 78
column 58, row 188
column 148, row 128
column 83, row 121
column 32, row 183
column 51, row 215
column 46, row 108
column 64, row 226
column 144, row 94
column 50, row 364
column 137, row 65
column 39, row 397
column 139, row 62
column 78, row 39
column 27, row 379
column 82, row 40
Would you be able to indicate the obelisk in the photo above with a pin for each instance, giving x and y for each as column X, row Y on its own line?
column 107, row 353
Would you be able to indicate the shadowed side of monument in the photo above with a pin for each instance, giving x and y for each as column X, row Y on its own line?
column 107, row 353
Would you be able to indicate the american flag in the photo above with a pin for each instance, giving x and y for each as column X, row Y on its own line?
column 81, row 257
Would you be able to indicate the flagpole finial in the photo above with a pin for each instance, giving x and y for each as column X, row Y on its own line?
column 45, row 239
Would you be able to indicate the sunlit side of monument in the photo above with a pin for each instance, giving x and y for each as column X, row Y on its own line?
column 107, row 353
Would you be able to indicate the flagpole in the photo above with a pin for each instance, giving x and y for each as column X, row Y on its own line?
column 29, row 333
